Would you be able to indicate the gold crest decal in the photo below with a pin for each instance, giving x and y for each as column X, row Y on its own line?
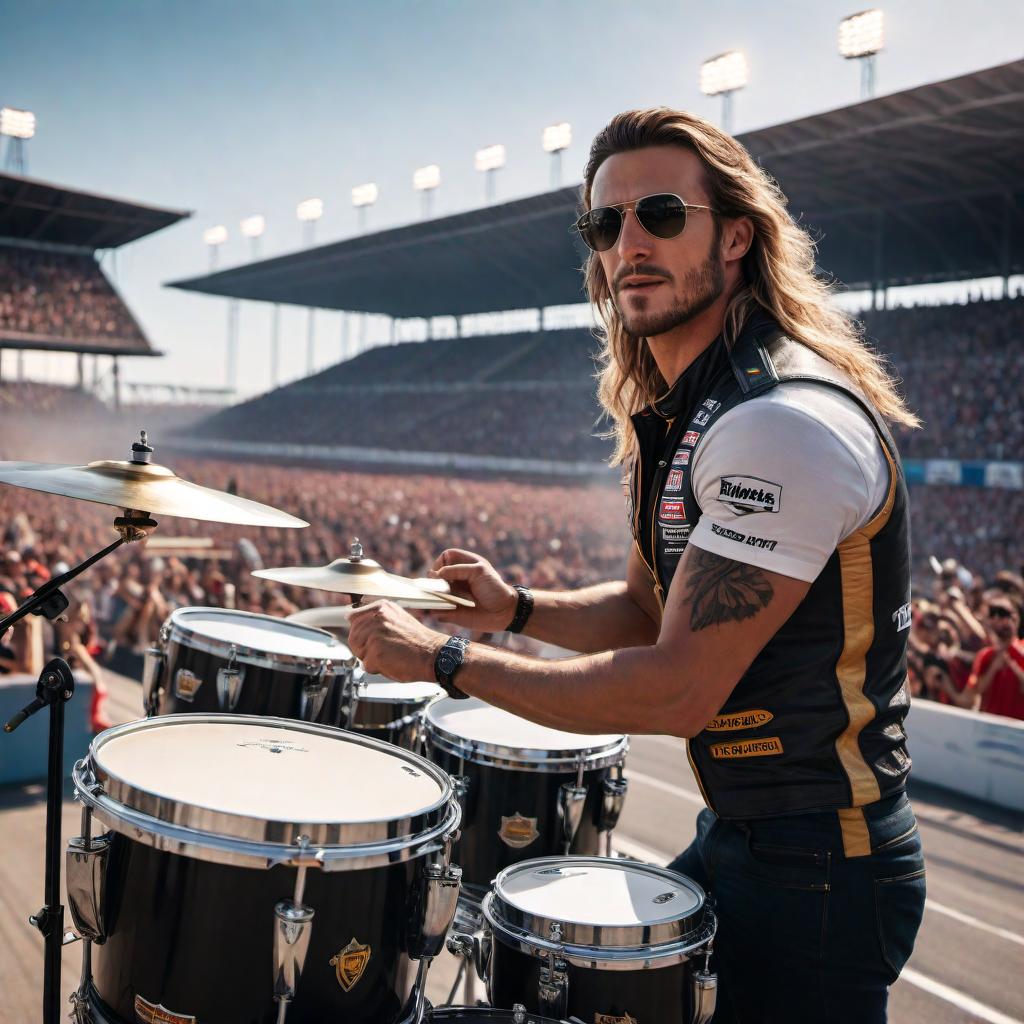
column 149, row 1013
column 350, row 963
column 517, row 831
column 186, row 683
column 607, row 1018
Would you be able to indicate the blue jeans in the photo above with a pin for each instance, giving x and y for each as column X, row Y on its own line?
column 805, row 933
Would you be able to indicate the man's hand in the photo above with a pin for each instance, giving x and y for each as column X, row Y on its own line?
column 471, row 575
column 390, row 642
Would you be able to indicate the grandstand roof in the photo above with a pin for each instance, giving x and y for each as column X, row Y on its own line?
column 918, row 186
column 37, row 211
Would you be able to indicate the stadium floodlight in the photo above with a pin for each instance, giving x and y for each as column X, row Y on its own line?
column 426, row 180
column 490, row 160
column 17, row 124
column 214, row 238
column 862, row 37
column 254, row 226
column 310, row 210
column 723, row 76
column 365, row 195
column 556, row 138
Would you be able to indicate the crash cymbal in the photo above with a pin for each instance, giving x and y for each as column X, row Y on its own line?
column 363, row 577
column 144, row 486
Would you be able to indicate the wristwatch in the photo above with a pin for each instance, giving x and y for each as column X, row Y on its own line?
column 447, row 662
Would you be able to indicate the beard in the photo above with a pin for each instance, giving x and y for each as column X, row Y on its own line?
column 702, row 286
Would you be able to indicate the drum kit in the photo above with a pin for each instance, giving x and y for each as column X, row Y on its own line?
column 285, row 837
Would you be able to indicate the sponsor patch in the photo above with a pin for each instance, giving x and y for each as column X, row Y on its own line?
column 744, row 538
column 186, row 684
column 902, row 617
column 671, row 510
column 701, row 419
column 739, row 720
column 681, row 457
column 675, row 480
column 517, row 831
column 746, row 495
column 690, row 437
column 746, row 748
column 753, row 371
column 151, row 1013
column 349, row 964
column 710, row 404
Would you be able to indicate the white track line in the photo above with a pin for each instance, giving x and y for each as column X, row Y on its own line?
column 665, row 787
column 921, row 981
column 978, row 1011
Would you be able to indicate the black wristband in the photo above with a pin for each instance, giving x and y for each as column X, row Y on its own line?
column 524, row 609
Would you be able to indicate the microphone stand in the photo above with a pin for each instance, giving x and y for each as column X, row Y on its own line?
column 54, row 689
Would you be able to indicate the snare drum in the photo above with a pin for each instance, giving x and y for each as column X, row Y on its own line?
column 256, row 863
column 389, row 711
column 526, row 790
column 601, row 940
column 219, row 660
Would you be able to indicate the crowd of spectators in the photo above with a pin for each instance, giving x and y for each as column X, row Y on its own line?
column 61, row 295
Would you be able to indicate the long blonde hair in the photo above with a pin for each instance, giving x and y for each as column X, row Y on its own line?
column 778, row 275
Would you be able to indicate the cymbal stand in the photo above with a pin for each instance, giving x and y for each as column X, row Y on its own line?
column 55, row 688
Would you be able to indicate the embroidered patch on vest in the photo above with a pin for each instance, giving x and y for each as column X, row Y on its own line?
column 671, row 510
column 746, row 495
column 746, row 748
column 681, row 457
column 739, row 720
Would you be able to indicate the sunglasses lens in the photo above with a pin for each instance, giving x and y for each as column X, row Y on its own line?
column 600, row 228
column 662, row 216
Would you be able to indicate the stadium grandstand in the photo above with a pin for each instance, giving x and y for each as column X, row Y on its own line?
column 54, row 295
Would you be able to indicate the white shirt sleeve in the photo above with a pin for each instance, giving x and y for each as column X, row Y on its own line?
column 782, row 479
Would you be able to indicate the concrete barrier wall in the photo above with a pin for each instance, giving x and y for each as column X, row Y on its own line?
column 968, row 752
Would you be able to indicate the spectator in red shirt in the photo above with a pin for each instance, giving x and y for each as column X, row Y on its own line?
column 996, row 684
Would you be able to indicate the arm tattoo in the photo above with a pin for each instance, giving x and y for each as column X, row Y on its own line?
column 721, row 590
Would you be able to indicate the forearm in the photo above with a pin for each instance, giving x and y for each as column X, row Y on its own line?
column 598, row 618
column 584, row 694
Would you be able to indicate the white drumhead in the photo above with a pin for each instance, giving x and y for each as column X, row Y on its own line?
column 266, row 769
column 614, row 894
column 261, row 633
column 374, row 687
column 479, row 722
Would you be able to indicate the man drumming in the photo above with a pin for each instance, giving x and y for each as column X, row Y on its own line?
column 765, row 609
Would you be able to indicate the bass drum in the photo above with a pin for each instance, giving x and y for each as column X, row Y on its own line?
column 377, row 706
column 526, row 790
column 258, row 870
column 220, row 660
column 597, row 939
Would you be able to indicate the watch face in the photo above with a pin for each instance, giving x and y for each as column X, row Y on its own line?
column 447, row 663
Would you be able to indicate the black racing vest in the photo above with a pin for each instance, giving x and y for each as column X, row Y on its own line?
column 816, row 722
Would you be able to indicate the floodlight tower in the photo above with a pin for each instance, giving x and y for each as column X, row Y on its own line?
column 490, row 160
column 253, row 228
column 363, row 197
column 723, row 76
column 862, row 37
column 426, row 181
column 309, row 211
column 214, row 238
column 556, row 138
column 18, row 126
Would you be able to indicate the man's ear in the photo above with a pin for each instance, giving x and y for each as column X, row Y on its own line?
column 737, row 237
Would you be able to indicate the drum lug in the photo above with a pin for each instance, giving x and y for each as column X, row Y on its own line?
column 229, row 682
column 474, row 949
column 440, row 897
column 705, row 996
column 153, row 664
column 314, row 692
column 86, row 880
column 293, row 923
column 570, row 811
column 613, row 796
column 553, row 988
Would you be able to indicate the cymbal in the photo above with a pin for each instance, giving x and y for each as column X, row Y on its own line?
column 364, row 577
column 143, row 486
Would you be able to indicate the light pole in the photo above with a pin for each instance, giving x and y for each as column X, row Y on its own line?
column 556, row 138
column 862, row 37
column 19, row 126
column 363, row 197
column 490, row 160
column 214, row 238
column 722, row 76
column 309, row 211
column 253, row 228
column 426, row 181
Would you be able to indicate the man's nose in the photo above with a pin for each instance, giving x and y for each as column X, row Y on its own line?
column 635, row 244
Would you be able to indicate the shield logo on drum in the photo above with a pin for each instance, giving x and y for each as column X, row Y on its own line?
column 518, row 831
column 350, row 963
column 185, row 684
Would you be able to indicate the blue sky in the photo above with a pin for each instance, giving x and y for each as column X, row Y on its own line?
column 229, row 108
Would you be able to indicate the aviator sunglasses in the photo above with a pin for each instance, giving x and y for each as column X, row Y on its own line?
column 662, row 215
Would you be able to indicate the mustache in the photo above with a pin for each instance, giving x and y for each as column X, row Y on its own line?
column 646, row 269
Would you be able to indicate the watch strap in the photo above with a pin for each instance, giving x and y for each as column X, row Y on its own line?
column 524, row 609
column 449, row 657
